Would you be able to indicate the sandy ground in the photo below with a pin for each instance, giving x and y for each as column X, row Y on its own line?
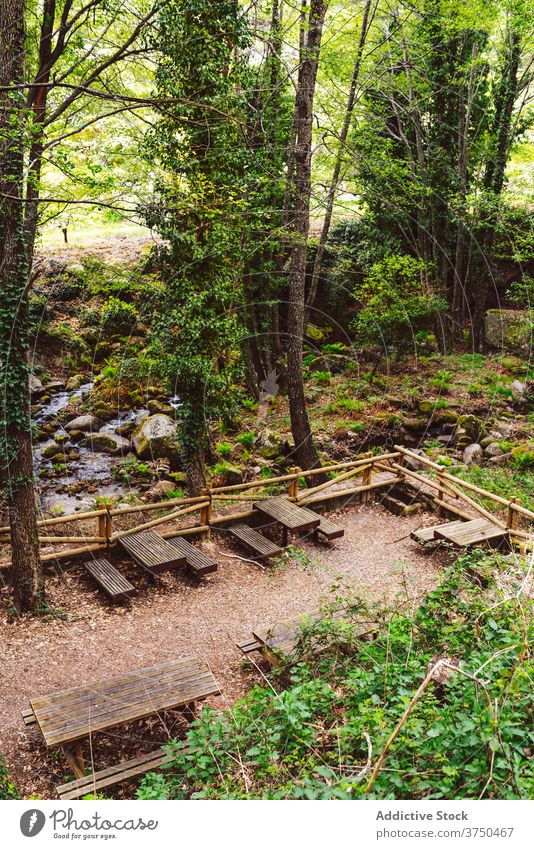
column 91, row 639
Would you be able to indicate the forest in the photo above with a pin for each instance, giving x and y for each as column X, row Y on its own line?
column 254, row 258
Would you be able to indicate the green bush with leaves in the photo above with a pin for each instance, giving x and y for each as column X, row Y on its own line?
column 395, row 303
column 118, row 316
column 7, row 787
column 309, row 735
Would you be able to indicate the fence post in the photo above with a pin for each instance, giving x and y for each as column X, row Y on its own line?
column 367, row 477
column 512, row 517
column 293, row 487
column 108, row 525
column 441, row 493
column 205, row 513
column 102, row 526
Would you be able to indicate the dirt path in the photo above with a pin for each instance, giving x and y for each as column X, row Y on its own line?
column 96, row 640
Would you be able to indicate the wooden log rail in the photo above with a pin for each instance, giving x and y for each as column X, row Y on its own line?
column 447, row 484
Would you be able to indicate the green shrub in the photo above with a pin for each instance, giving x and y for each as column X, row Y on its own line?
column 118, row 316
column 246, row 439
column 305, row 736
column 224, row 449
column 322, row 377
column 7, row 787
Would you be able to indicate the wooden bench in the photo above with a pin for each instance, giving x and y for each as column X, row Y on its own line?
column 124, row 771
column 196, row 560
column 28, row 716
column 152, row 552
column 260, row 545
column 248, row 646
column 326, row 528
column 110, row 579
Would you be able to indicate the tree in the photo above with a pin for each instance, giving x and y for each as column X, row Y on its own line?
column 15, row 434
column 198, row 147
column 70, row 48
column 305, row 450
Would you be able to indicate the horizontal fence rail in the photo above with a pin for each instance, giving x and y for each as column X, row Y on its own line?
column 442, row 485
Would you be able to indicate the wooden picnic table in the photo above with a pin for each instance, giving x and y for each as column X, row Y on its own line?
column 292, row 518
column 68, row 716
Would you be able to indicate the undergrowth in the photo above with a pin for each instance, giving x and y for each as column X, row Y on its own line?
column 317, row 727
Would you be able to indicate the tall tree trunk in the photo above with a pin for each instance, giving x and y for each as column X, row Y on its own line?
column 305, row 450
column 15, row 425
column 494, row 177
column 334, row 182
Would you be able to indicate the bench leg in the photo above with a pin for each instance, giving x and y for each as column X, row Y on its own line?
column 285, row 537
column 74, row 756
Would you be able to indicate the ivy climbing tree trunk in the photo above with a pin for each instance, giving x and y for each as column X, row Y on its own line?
column 305, row 450
column 15, row 434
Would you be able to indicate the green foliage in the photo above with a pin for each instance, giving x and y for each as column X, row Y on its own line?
column 224, row 449
column 246, row 439
column 395, row 304
column 7, row 787
column 129, row 469
column 118, row 316
column 305, row 737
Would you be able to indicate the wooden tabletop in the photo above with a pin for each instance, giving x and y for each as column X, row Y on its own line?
column 290, row 516
column 70, row 715
column 474, row 532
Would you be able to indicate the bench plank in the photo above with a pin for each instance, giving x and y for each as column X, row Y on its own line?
column 326, row 528
column 248, row 646
column 291, row 517
column 472, row 533
column 110, row 579
column 260, row 545
column 199, row 562
column 112, row 775
column 425, row 535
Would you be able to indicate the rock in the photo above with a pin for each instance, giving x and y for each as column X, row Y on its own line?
column 269, row 444
column 505, row 429
column 414, row 425
column 74, row 455
column 473, row 427
column 55, row 386
column 413, row 464
column 85, row 423
column 75, row 382
column 50, row 449
column 501, row 460
column 154, row 406
column 36, row 387
column 472, row 455
column 508, row 330
column 523, row 455
column 107, row 443
column 35, row 408
column 126, row 429
column 518, row 390
column 425, row 407
column 153, row 392
column 104, row 411
column 231, row 475
column 493, row 450
column 440, row 417
column 160, row 490
column 75, row 435
column 155, row 436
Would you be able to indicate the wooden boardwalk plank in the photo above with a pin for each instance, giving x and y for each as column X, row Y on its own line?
column 248, row 646
column 425, row 535
column 112, row 775
column 260, row 545
column 152, row 551
column 110, row 579
column 199, row 562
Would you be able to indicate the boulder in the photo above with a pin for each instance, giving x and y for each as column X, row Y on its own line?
column 155, row 436
column 126, row 428
column 414, row 425
column 55, row 386
column 85, row 423
column 493, row 450
column 508, row 330
column 425, row 407
column 36, row 387
column 104, row 411
column 107, row 443
column 230, row 475
column 518, row 390
column 473, row 427
column 50, row 449
column 160, row 490
column 155, row 406
column 413, row 464
column 270, row 444
column 75, row 382
column 523, row 455
column 472, row 455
